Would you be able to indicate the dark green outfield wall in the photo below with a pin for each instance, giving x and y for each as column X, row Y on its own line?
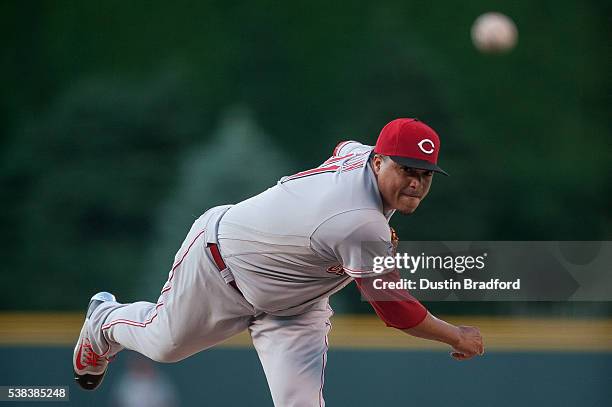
column 233, row 377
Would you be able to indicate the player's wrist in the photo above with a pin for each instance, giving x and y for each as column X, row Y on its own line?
column 448, row 333
column 454, row 336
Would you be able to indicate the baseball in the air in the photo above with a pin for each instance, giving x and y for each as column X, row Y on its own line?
column 494, row 33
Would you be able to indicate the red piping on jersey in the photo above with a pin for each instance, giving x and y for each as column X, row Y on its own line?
column 331, row 168
column 352, row 169
column 353, row 166
column 339, row 146
column 335, row 158
column 353, row 161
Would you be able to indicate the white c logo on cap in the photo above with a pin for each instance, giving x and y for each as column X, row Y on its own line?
column 423, row 149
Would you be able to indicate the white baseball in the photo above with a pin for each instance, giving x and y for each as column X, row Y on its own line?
column 494, row 32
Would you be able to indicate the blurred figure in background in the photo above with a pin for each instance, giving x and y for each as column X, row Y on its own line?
column 143, row 385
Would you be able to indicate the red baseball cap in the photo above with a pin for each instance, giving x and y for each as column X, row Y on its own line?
column 411, row 143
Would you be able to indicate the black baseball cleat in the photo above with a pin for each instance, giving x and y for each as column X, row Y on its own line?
column 89, row 367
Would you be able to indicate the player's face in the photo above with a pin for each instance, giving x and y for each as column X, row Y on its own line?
column 400, row 187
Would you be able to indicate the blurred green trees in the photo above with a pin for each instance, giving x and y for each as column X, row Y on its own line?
column 83, row 180
column 106, row 106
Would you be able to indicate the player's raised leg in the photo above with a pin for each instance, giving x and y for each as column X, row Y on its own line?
column 293, row 352
column 196, row 310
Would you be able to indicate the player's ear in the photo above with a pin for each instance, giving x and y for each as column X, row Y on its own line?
column 377, row 161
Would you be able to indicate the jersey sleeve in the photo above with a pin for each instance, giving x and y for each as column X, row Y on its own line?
column 358, row 239
column 395, row 307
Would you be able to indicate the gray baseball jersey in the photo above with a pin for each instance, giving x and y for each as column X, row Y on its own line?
column 301, row 240
column 287, row 249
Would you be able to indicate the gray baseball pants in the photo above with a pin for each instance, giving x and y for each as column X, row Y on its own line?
column 197, row 309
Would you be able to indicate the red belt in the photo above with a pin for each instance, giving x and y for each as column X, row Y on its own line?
column 214, row 250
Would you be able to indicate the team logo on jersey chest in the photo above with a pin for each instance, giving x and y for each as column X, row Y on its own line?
column 336, row 269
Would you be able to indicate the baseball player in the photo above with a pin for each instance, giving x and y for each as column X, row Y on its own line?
column 270, row 263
